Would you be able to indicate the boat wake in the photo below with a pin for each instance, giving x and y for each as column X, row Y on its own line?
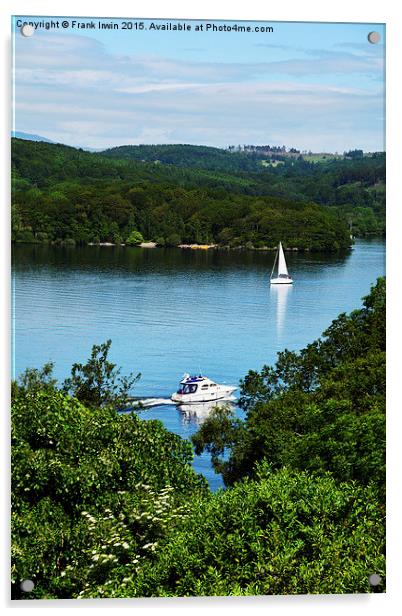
column 143, row 404
column 150, row 402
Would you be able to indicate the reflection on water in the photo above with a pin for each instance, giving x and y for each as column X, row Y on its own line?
column 197, row 413
column 279, row 294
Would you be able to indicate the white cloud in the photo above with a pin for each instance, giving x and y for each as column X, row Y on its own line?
column 70, row 89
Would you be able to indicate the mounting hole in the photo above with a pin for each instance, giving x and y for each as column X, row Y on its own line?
column 27, row 585
column 374, row 579
column 27, row 30
column 373, row 37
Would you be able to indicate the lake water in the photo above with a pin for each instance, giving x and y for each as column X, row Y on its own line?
column 170, row 311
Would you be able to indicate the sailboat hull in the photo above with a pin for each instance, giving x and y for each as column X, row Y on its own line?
column 281, row 281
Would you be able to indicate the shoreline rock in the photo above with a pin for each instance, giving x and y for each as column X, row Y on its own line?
column 101, row 244
column 197, row 246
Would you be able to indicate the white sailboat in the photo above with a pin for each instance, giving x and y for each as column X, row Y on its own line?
column 282, row 276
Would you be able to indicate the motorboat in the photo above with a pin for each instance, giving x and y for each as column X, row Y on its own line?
column 282, row 276
column 195, row 389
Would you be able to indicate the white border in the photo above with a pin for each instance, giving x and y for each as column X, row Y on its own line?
column 386, row 11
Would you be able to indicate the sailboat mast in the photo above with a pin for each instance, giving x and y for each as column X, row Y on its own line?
column 273, row 267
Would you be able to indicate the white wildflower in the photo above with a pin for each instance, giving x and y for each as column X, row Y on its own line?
column 148, row 546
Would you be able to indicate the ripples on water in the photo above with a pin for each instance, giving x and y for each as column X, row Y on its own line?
column 170, row 311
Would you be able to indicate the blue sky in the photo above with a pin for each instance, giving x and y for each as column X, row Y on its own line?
column 314, row 86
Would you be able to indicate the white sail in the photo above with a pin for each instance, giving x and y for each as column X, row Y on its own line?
column 282, row 269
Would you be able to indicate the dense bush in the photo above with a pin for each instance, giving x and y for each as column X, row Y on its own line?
column 67, row 459
column 108, row 506
column 283, row 533
column 134, row 238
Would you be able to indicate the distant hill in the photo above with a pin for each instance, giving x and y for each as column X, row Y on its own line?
column 43, row 163
column 184, row 155
column 203, row 197
column 29, row 136
column 70, row 195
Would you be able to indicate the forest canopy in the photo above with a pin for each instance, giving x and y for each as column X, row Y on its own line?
column 64, row 194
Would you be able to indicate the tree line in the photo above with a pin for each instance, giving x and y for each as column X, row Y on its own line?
column 63, row 194
column 354, row 183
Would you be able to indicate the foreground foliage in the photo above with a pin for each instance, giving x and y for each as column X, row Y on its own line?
column 283, row 533
column 67, row 459
column 108, row 505
column 98, row 382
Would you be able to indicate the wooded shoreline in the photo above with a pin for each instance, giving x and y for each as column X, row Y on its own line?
column 69, row 196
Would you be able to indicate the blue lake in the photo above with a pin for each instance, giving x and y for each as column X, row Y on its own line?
column 170, row 311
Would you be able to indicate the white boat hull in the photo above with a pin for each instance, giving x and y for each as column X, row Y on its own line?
column 221, row 393
column 281, row 281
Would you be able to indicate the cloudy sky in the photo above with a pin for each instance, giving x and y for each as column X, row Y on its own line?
column 312, row 86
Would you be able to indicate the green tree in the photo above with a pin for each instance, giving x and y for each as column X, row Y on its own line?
column 34, row 379
column 86, row 482
column 16, row 222
column 173, row 240
column 98, row 382
column 285, row 532
column 134, row 238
